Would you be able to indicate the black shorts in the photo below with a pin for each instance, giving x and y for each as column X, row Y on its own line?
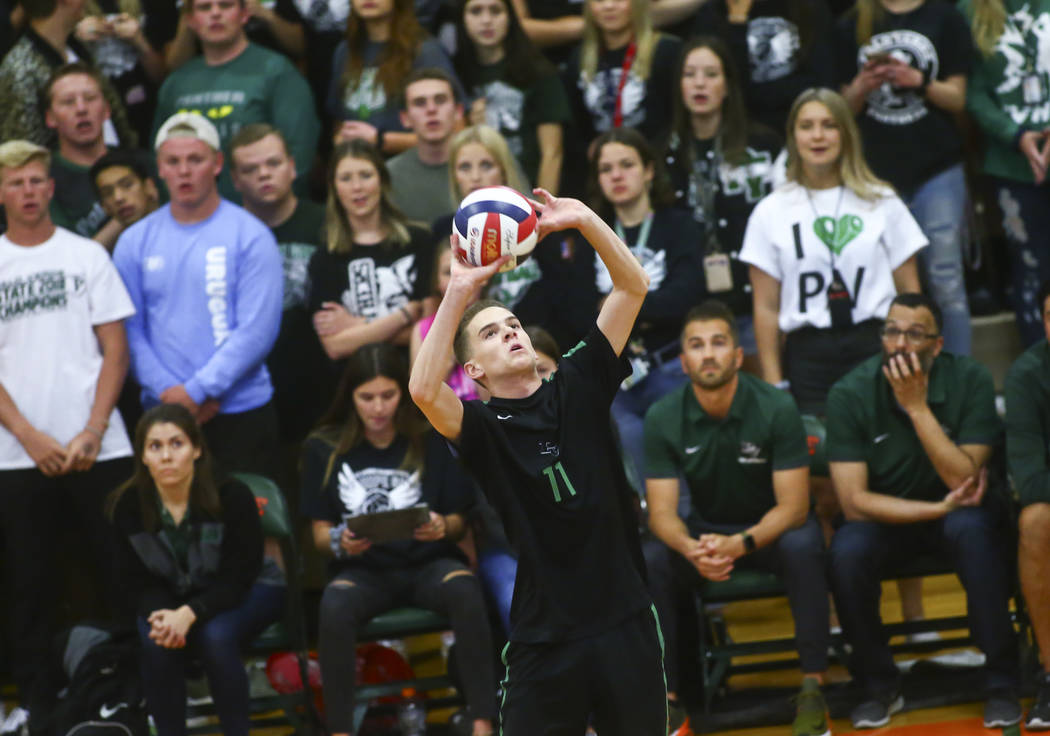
column 616, row 677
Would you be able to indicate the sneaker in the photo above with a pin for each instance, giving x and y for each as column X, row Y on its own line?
column 1001, row 711
column 1039, row 713
column 811, row 714
column 875, row 713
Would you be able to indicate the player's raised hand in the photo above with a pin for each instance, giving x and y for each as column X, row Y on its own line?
column 558, row 213
column 468, row 278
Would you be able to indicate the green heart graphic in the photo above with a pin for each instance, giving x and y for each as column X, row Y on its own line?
column 837, row 235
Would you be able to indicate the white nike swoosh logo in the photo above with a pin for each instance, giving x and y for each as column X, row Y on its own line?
column 881, row 437
column 500, row 416
column 692, row 450
column 106, row 712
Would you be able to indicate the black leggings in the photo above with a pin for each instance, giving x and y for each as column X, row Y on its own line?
column 346, row 608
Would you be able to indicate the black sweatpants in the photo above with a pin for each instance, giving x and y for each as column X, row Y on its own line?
column 616, row 677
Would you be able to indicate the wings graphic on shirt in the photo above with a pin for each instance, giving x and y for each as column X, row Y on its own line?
column 357, row 499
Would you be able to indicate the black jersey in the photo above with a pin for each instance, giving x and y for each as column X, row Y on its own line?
column 550, row 466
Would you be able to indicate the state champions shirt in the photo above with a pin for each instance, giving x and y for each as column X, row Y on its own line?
column 549, row 465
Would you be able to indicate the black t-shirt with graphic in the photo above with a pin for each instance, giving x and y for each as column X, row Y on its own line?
column 645, row 104
column 907, row 139
column 740, row 186
column 549, row 465
column 516, row 113
column 771, row 54
column 372, row 280
column 367, row 479
column 550, row 10
column 297, row 363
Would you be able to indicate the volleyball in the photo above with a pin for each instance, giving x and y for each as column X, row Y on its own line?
column 492, row 222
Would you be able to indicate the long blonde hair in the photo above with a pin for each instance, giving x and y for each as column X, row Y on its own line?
column 491, row 140
column 989, row 20
column 645, row 39
column 339, row 234
column 853, row 168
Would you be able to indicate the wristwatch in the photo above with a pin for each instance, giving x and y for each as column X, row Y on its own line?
column 749, row 542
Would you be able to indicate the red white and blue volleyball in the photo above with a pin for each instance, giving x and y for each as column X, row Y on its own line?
column 492, row 222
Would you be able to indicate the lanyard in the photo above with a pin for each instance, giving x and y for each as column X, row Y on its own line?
column 628, row 61
column 834, row 221
column 643, row 233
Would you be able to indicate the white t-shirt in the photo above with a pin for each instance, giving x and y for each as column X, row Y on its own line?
column 798, row 239
column 51, row 296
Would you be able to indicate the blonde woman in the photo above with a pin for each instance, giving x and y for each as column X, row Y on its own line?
column 828, row 250
column 1008, row 96
column 623, row 72
column 368, row 282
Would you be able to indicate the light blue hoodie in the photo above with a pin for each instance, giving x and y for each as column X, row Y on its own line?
column 207, row 305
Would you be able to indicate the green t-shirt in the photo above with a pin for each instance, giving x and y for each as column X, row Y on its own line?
column 866, row 424
column 516, row 113
column 75, row 206
column 1027, row 392
column 257, row 86
column 728, row 463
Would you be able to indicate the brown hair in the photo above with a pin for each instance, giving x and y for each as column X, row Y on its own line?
column 255, row 132
column 660, row 195
column 644, row 38
column 339, row 235
column 708, row 311
column 397, row 55
column 461, row 343
column 204, row 494
column 66, row 70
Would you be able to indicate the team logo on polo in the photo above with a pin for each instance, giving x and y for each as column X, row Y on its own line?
column 772, row 45
column 377, row 489
column 894, row 105
column 750, row 454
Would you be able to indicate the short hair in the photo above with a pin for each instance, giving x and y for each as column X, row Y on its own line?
column 461, row 343
column 126, row 157
column 17, row 153
column 255, row 132
column 543, row 341
column 428, row 72
column 709, row 310
column 914, row 300
column 67, row 70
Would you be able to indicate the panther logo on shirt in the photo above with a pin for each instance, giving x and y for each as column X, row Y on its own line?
column 750, row 454
column 772, row 45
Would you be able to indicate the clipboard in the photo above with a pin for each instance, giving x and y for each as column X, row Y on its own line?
column 388, row 526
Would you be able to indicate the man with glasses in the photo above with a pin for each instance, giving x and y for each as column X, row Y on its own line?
column 909, row 434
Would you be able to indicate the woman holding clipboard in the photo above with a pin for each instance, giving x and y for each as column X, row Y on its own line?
column 373, row 452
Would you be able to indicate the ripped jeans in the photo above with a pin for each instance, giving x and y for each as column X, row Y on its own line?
column 1026, row 222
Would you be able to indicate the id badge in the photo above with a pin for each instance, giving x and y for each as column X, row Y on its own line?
column 839, row 302
column 717, row 273
column 1034, row 89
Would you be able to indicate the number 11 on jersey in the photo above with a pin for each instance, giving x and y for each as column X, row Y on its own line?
column 549, row 472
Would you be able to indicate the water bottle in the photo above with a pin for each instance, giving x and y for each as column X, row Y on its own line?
column 411, row 715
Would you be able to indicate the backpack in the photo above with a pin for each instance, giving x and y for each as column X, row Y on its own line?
column 102, row 693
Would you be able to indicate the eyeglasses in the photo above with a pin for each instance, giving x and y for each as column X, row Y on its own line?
column 912, row 335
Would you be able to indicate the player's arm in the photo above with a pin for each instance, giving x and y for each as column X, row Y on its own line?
column 630, row 281
column 861, row 504
column 661, row 495
column 427, row 386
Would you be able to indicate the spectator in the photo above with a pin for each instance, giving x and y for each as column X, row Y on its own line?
column 909, row 434
column 433, row 110
column 127, row 44
column 384, row 43
column 324, row 27
column 1011, row 113
column 263, row 172
column 235, row 82
column 721, row 165
column 516, row 90
column 368, row 283
column 780, row 47
column 622, row 73
column 903, row 70
column 76, row 110
column 741, row 446
column 273, row 24
column 373, row 452
column 63, row 356
column 191, row 561
column 124, row 187
column 46, row 44
column 631, row 193
column 205, row 277
column 1027, row 409
column 827, row 283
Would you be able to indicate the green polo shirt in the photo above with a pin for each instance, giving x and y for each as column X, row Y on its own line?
column 728, row 463
column 866, row 424
column 179, row 536
column 1027, row 392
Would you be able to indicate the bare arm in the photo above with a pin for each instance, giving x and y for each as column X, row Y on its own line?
column 548, row 175
column 791, row 488
column 766, row 299
column 42, row 448
column 948, row 94
column 181, row 48
column 382, row 329
column 861, row 504
column 107, row 234
column 668, row 12
column 661, row 495
column 906, row 277
column 84, row 448
column 552, row 32
column 290, row 35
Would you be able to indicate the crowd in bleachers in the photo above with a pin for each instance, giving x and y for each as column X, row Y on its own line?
column 270, row 184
